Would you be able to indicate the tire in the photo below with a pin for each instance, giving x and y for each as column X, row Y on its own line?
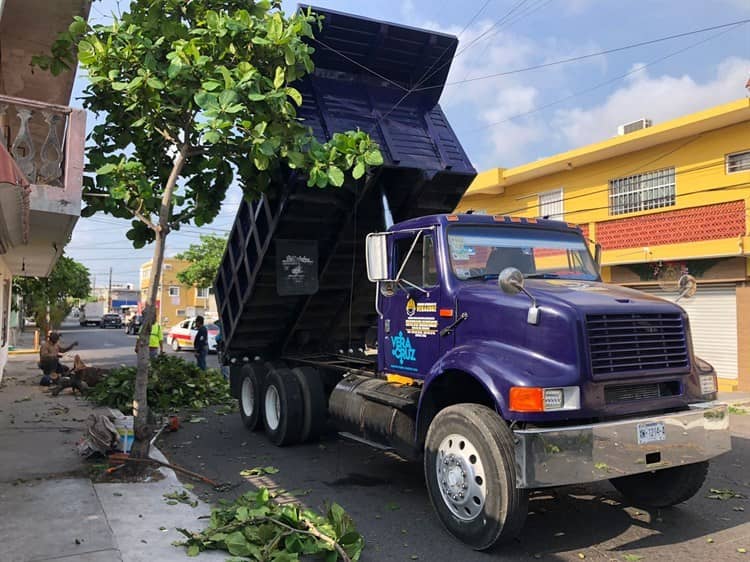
column 663, row 488
column 314, row 400
column 251, row 396
column 283, row 408
column 469, row 455
column 175, row 345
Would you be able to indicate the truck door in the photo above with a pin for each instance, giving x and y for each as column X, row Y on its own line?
column 410, row 309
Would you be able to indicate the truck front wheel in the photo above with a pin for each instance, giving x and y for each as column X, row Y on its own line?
column 470, row 470
column 663, row 488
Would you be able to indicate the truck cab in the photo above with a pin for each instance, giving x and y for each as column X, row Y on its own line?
column 522, row 354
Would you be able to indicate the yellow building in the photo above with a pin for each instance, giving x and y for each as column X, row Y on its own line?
column 175, row 300
column 661, row 200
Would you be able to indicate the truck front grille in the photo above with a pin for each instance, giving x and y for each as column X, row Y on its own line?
column 635, row 343
column 633, row 392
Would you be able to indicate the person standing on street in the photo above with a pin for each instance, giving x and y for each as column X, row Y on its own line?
column 200, row 344
column 155, row 341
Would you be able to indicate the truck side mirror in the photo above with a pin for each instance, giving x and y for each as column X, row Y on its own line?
column 687, row 286
column 377, row 256
column 598, row 256
column 510, row 281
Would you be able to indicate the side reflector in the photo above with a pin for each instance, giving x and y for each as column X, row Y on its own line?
column 452, row 218
column 446, row 313
column 526, row 399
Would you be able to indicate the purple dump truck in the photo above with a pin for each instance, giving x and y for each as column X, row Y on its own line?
column 486, row 347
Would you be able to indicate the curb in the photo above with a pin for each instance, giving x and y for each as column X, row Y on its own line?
column 22, row 352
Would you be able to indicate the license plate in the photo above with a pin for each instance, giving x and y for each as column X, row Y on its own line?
column 650, row 432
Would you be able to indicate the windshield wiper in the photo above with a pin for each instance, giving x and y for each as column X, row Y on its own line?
column 483, row 276
column 541, row 276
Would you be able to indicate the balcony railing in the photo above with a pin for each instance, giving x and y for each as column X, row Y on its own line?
column 44, row 139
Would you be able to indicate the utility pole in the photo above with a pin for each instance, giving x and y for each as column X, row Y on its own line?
column 109, row 292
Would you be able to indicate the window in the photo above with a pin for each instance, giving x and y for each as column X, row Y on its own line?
column 167, row 267
column 202, row 293
column 642, row 192
column 146, row 272
column 738, row 162
column 174, row 291
column 551, row 205
column 180, row 312
column 420, row 269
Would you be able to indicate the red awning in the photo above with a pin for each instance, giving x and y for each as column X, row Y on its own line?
column 9, row 171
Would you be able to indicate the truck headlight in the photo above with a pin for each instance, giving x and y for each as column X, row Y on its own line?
column 535, row 399
column 708, row 384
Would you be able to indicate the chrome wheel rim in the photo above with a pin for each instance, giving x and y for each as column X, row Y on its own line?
column 272, row 408
column 248, row 397
column 461, row 478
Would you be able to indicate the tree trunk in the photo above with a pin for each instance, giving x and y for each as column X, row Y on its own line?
column 141, row 429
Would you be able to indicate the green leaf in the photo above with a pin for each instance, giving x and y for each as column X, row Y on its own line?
column 359, row 170
column 106, row 169
column 335, row 176
column 278, row 80
column 86, row 53
column 193, row 550
column 155, row 83
column 210, row 85
column 256, row 97
column 261, row 162
column 237, row 544
column 227, row 97
column 373, row 157
column 295, row 95
column 295, row 159
column 119, row 86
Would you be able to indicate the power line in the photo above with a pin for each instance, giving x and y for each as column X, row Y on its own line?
column 591, row 55
column 426, row 75
column 606, row 82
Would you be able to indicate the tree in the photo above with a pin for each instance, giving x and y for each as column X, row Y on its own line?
column 204, row 259
column 48, row 299
column 196, row 95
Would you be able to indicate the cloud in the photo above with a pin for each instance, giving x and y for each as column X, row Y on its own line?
column 659, row 98
column 486, row 50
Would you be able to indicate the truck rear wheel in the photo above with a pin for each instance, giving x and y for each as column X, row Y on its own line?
column 470, row 470
column 663, row 488
column 251, row 393
column 283, row 408
column 314, row 400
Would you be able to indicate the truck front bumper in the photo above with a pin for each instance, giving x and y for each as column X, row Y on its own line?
column 587, row 453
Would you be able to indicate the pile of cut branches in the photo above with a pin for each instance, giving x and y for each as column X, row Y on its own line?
column 173, row 384
column 255, row 527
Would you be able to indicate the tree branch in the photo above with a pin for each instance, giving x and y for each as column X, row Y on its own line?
column 143, row 218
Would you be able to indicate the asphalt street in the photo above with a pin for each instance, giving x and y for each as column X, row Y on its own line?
column 387, row 498
column 109, row 347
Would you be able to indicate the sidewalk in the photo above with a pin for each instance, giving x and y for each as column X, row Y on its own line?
column 52, row 510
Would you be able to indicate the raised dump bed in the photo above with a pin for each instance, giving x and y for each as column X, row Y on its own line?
column 293, row 280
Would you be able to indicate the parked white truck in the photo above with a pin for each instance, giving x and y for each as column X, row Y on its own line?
column 91, row 314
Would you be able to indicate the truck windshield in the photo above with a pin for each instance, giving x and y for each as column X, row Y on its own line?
column 479, row 252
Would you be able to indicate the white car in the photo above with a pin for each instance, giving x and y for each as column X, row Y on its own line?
column 182, row 335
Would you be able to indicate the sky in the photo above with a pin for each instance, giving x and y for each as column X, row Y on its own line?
column 504, row 121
